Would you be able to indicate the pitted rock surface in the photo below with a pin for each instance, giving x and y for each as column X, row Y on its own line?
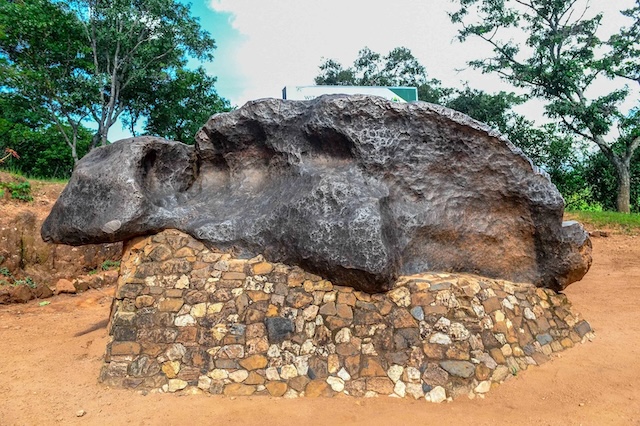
column 357, row 189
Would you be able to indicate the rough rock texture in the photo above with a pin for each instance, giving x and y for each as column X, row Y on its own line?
column 185, row 316
column 357, row 189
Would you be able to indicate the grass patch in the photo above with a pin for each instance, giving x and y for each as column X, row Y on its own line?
column 625, row 223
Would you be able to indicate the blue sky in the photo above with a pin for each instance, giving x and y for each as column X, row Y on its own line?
column 264, row 45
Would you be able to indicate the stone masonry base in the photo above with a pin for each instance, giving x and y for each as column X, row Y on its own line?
column 186, row 318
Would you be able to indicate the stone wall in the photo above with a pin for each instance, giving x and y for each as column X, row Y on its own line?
column 188, row 318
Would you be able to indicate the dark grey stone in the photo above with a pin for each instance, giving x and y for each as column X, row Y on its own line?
column 544, row 339
column 278, row 329
column 418, row 313
column 582, row 328
column 124, row 334
column 356, row 189
column 463, row 369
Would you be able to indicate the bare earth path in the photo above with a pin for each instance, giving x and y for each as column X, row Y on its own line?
column 47, row 375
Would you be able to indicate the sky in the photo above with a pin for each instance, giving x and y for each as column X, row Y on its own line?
column 265, row 45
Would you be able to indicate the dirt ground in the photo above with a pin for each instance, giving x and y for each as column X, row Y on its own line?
column 48, row 374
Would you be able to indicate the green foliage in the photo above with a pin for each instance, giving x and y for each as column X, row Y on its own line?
column 398, row 68
column 179, row 105
column 45, row 63
column 110, row 264
column 63, row 64
column 43, row 153
column 19, row 190
column 27, row 281
column 560, row 61
column 493, row 109
column 11, row 280
column 628, row 223
column 600, row 176
column 136, row 44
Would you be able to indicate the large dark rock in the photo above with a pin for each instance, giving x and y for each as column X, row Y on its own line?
column 357, row 189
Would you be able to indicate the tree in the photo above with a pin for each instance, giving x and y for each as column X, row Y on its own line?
column 133, row 45
column 560, row 61
column 625, row 48
column 93, row 60
column 493, row 109
column 28, row 130
column 43, row 61
column 180, row 105
column 398, row 68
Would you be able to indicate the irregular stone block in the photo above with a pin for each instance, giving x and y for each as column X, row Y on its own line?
column 357, row 189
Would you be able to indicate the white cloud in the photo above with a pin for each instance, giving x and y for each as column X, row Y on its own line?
column 285, row 40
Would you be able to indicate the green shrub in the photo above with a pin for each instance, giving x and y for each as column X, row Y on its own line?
column 110, row 264
column 19, row 190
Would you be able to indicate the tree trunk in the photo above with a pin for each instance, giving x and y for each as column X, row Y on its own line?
column 95, row 140
column 624, row 188
column 74, row 154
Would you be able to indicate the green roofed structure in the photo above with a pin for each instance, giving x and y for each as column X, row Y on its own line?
column 395, row 94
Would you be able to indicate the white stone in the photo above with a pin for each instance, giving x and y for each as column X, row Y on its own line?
column 483, row 387
column 336, row 383
column 183, row 282
column 271, row 374
column 478, row 309
column 329, row 297
column 176, row 385
column 273, row 351
column 310, row 313
column 308, row 347
column 302, row 365
column 185, row 321
column 370, row 394
column 528, row 314
column 184, row 310
column 458, row 331
column 498, row 316
column 310, row 329
column 175, row 352
column 507, row 304
column 291, row 394
column 506, row 350
column 204, row 382
column 343, row 335
column 219, row 374
column 239, row 376
column 400, row 389
column 288, row 372
column 299, row 323
column 413, row 374
column 344, row 374
column 368, row 349
column 395, row 372
column 442, row 325
column 437, row 395
column 440, row 339
column 401, row 296
column 415, row 390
